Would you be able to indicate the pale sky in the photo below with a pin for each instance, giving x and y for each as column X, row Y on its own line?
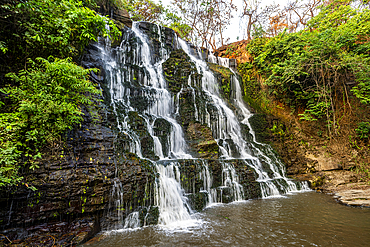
column 235, row 31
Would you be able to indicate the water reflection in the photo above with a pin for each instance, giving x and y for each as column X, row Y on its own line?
column 305, row 219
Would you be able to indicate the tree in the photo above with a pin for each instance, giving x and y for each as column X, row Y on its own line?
column 310, row 69
column 147, row 10
column 300, row 12
column 46, row 103
column 207, row 19
column 253, row 15
column 144, row 10
column 40, row 28
column 175, row 22
column 277, row 23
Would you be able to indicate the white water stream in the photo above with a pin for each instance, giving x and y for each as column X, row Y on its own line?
column 170, row 196
column 231, row 128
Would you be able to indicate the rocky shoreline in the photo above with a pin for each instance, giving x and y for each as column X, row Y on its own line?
column 330, row 167
column 354, row 197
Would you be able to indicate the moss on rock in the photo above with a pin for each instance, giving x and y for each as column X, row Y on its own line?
column 201, row 141
column 138, row 124
column 177, row 70
column 198, row 201
column 223, row 75
column 259, row 125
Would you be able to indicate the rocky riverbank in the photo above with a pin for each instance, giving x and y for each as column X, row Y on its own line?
column 330, row 166
column 333, row 157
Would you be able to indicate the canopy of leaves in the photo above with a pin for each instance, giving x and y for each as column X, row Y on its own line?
column 40, row 28
column 148, row 10
column 144, row 10
column 46, row 103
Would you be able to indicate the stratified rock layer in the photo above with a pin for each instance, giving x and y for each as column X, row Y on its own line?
column 354, row 197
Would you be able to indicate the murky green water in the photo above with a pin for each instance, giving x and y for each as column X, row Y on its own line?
column 305, row 219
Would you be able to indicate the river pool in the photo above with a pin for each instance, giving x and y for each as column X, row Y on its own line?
column 300, row 219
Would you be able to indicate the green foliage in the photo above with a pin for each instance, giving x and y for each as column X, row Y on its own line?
column 253, row 93
column 332, row 15
column 10, row 125
column 255, row 46
column 225, row 76
column 309, row 69
column 147, row 10
column 40, row 28
column 258, row 31
column 46, row 103
column 360, row 65
column 363, row 130
column 50, row 94
column 232, row 51
column 176, row 23
column 278, row 130
column 42, row 98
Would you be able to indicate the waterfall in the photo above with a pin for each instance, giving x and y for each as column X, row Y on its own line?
column 226, row 127
column 270, row 185
column 231, row 180
column 275, row 165
column 172, row 204
column 147, row 114
column 132, row 220
column 207, row 185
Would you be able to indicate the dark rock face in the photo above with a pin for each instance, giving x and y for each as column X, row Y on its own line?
column 259, row 123
column 184, row 80
column 77, row 181
column 158, row 37
column 177, row 70
column 200, row 139
column 52, row 234
column 66, row 176
column 120, row 16
column 82, row 178
column 162, row 130
column 247, row 178
column 223, row 76
column 145, row 138
column 193, row 184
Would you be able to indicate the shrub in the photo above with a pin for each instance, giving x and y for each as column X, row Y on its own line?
column 46, row 103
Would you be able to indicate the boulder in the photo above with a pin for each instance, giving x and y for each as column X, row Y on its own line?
column 122, row 17
column 324, row 163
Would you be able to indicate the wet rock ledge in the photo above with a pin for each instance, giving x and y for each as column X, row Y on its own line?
column 354, row 197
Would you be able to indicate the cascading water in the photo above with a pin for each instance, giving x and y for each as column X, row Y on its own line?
column 270, row 185
column 148, row 114
column 275, row 164
column 172, row 204
column 132, row 220
column 226, row 127
column 231, row 180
